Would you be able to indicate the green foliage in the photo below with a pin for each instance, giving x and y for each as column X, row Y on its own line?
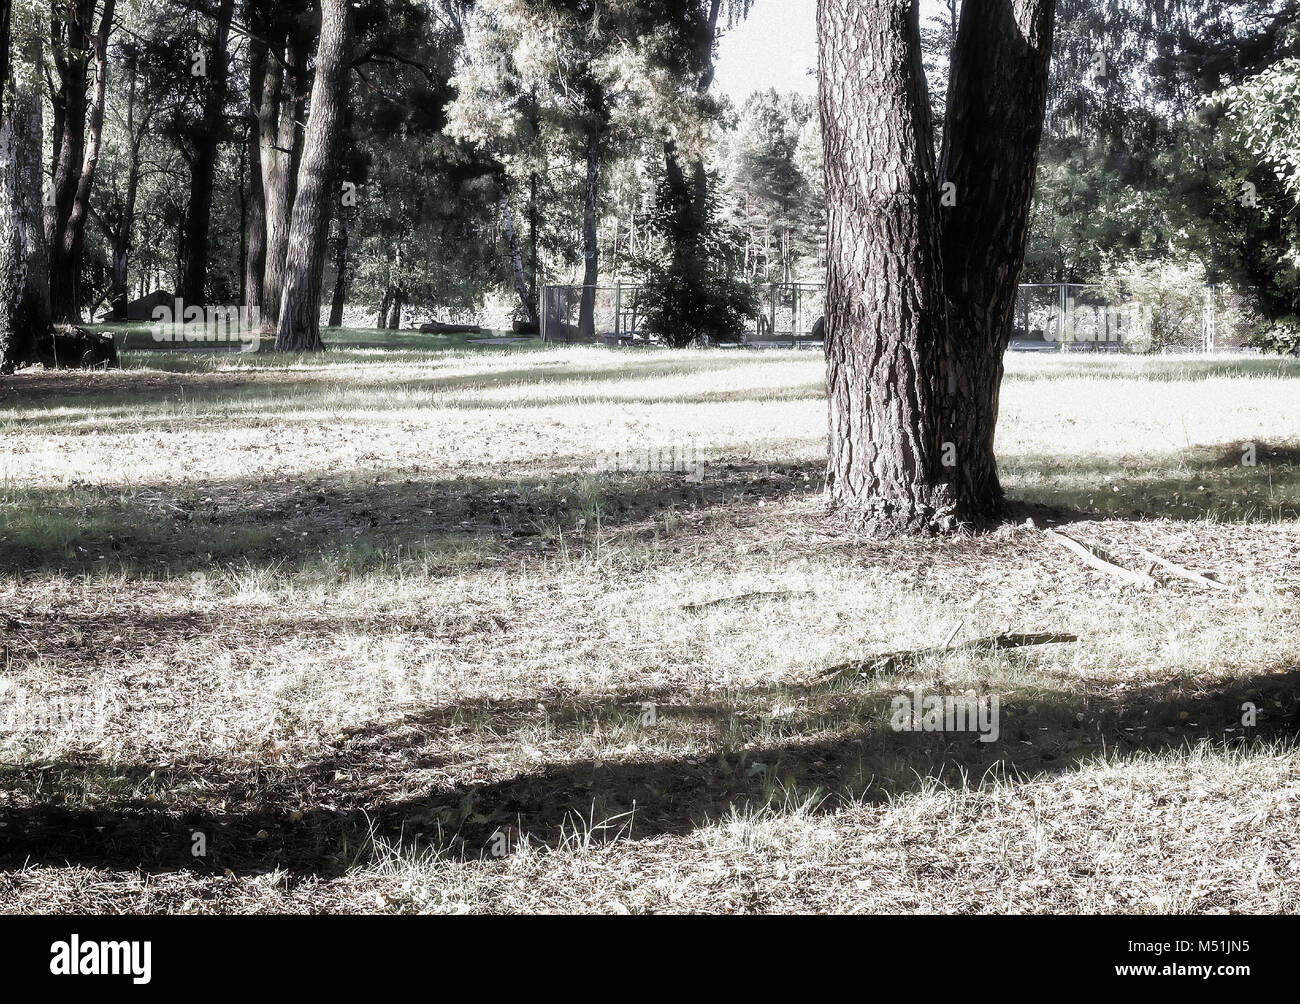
column 1167, row 301
column 1264, row 112
column 777, row 181
column 1171, row 146
column 694, row 286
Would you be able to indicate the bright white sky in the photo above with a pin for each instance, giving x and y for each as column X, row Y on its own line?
column 775, row 47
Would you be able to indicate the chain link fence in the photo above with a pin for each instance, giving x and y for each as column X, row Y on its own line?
column 607, row 315
column 1049, row 317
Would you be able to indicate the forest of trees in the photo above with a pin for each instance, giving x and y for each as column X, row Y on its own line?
column 361, row 163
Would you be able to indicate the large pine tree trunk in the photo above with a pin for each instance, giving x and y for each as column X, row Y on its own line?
column 198, row 221
column 6, row 16
column 997, row 97
column 889, row 367
column 917, row 300
column 299, row 322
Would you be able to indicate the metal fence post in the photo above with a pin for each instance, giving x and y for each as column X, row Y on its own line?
column 1210, row 317
column 794, row 315
column 1060, row 315
column 772, row 329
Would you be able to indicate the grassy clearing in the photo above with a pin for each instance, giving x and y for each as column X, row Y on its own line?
column 369, row 619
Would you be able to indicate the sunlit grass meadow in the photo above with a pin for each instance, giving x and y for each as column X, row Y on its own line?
column 391, row 631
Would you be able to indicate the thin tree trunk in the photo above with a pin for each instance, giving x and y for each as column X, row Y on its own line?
column 70, row 26
column 120, row 239
column 590, row 238
column 339, row 300
column 74, row 239
column 395, row 316
column 299, row 322
column 386, row 305
column 13, row 263
column 517, row 262
column 281, row 159
column 34, row 319
column 264, row 83
column 198, row 221
column 255, row 201
column 533, row 226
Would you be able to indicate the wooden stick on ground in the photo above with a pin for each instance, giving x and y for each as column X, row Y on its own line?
column 763, row 595
column 1140, row 579
column 889, row 661
column 1181, row 572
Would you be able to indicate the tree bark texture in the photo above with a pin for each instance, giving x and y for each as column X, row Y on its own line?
column 282, row 140
column 924, row 262
column 299, row 320
column 198, row 220
column 890, row 367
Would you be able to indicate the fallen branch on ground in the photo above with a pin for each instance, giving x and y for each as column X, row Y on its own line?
column 890, row 661
column 1181, row 572
column 771, row 594
column 1140, row 579
column 439, row 328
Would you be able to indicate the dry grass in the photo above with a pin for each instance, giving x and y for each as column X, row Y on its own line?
column 366, row 621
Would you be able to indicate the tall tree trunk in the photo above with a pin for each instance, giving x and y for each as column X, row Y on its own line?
column 996, row 101
column 386, row 305
column 120, row 239
column 13, row 264
column 914, row 306
column 264, row 83
column 198, row 221
column 74, row 238
column 517, row 262
column 590, row 238
column 299, row 322
column 533, row 227
column 33, row 317
column 70, row 26
column 6, row 18
column 889, row 362
column 255, row 201
column 281, row 162
column 395, row 315
column 339, row 300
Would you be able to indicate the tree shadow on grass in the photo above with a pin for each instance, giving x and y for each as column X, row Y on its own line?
column 1225, row 483
column 418, row 779
column 148, row 397
column 152, row 531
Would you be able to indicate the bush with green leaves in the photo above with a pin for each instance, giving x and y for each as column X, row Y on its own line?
column 694, row 287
